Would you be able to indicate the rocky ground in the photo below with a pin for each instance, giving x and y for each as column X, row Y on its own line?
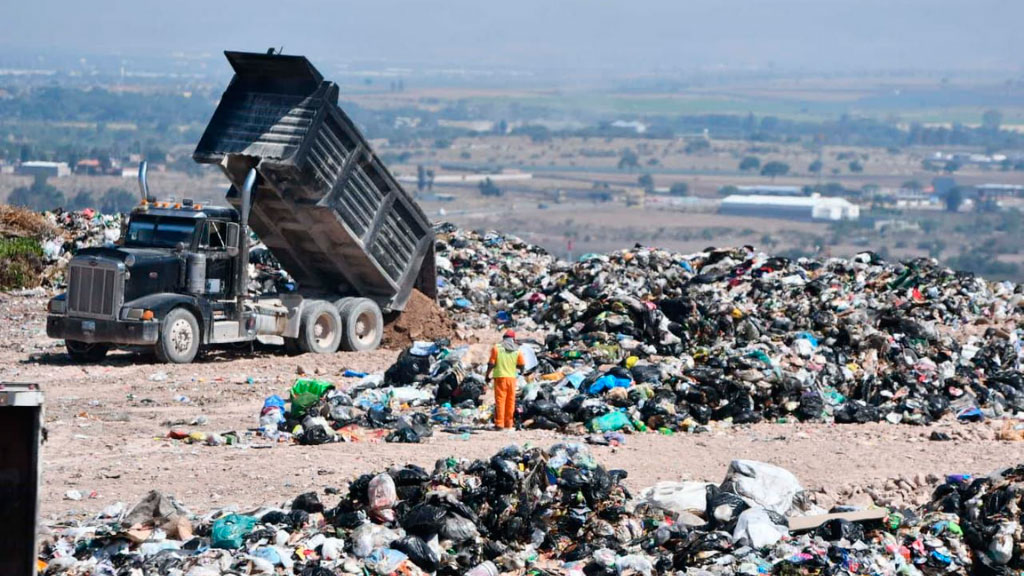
column 107, row 426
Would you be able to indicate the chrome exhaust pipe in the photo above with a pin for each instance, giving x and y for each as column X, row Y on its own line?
column 143, row 181
column 242, row 280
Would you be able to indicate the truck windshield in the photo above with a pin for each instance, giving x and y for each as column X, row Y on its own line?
column 160, row 232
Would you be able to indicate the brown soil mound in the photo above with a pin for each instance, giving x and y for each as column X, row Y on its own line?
column 21, row 223
column 422, row 319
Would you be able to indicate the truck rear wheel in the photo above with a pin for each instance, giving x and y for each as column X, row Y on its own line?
column 179, row 337
column 86, row 352
column 320, row 329
column 362, row 325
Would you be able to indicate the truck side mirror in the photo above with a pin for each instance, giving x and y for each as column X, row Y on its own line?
column 232, row 239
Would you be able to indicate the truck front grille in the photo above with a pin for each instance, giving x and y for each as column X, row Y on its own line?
column 94, row 290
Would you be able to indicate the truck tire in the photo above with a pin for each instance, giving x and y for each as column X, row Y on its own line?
column 363, row 325
column 320, row 329
column 179, row 337
column 84, row 352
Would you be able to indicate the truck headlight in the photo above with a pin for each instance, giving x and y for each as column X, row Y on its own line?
column 57, row 306
column 138, row 314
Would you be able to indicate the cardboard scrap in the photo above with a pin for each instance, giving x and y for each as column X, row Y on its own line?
column 802, row 523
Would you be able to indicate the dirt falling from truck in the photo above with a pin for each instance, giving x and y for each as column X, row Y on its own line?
column 422, row 319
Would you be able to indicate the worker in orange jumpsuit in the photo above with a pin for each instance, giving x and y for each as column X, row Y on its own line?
column 504, row 365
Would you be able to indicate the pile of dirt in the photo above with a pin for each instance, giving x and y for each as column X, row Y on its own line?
column 21, row 256
column 18, row 222
column 422, row 319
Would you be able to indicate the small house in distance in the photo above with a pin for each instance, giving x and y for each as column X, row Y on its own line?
column 46, row 169
column 814, row 207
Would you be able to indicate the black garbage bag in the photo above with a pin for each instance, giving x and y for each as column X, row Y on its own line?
column 314, row 436
column 646, row 373
column 812, row 405
column 309, row 502
column 418, row 552
column 274, row 517
column 839, row 529
column 379, row 416
column 457, row 529
column 856, row 412
column 506, row 479
column 407, row 368
column 424, row 520
column 722, row 508
column 403, row 436
column 409, row 475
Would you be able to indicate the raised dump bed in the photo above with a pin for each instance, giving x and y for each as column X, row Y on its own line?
column 325, row 205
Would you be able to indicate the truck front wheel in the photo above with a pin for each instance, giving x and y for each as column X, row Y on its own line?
column 86, row 352
column 320, row 329
column 363, row 325
column 179, row 337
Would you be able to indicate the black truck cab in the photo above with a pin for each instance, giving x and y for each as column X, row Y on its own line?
column 171, row 255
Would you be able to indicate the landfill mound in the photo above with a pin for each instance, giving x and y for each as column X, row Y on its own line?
column 422, row 319
column 555, row 511
column 733, row 334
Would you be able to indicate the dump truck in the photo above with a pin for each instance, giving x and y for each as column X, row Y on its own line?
column 305, row 181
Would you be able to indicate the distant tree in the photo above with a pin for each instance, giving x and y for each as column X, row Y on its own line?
column 774, row 168
column 489, row 188
column 951, row 167
column 501, row 127
column 39, row 196
column 430, row 180
column 629, row 160
column 930, row 165
column 991, row 120
column 442, row 143
column 156, row 154
column 856, row 167
column 815, row 167
column 646, row 181
column 728, row 190
column 750, row 163
column 912, row 185
column 117, row 200
column 679, row 189
column 421, row 177
column 954, row 198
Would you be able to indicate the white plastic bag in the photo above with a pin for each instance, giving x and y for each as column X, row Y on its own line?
column 762, row 485
column 755, row 528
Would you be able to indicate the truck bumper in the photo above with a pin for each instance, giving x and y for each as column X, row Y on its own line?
column 98, row 331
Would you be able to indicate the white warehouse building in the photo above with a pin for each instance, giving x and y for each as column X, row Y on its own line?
column 814, row 207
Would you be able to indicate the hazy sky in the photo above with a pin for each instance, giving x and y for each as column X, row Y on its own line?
column 621, row 36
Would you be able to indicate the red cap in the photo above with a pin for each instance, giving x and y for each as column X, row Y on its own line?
column 510, row 334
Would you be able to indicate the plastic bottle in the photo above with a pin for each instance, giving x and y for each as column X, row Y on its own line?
column 486, row 569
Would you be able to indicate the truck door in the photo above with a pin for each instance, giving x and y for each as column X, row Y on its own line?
column 219, row 265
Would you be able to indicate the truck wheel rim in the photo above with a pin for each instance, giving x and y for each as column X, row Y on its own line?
column 323, row 331
column 366, row 329
column 181, row 336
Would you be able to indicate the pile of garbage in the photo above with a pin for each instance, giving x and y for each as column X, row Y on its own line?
column 555, row 511
column 738, row 335
column 436, row 390
column 73, row 231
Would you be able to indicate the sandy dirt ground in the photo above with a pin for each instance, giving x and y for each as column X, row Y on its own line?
column 107, row 427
